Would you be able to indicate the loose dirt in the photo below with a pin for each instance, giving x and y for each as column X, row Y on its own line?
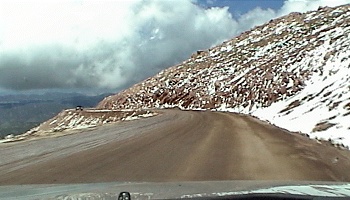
column 174, row 146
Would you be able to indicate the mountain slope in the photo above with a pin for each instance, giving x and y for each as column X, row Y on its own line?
column 292, row 71
column 21, row 112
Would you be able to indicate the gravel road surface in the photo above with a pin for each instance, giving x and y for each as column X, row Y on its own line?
column 174, row 146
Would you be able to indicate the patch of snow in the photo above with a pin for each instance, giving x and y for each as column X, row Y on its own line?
column 147, row 115
column 311, row 112
column 53, row 121
column 83, row 126
column 130, row 118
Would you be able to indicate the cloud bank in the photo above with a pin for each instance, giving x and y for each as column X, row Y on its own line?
column 112, row 44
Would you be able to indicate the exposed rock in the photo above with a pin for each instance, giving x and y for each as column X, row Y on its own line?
column 322, row 126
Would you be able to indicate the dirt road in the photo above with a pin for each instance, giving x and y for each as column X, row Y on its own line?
column 174, row 146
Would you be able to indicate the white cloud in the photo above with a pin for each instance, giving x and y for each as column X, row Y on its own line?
column 112, row 44
column 255, row 17
column 101, row 44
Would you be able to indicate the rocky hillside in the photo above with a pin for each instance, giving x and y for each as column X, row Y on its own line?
column 293, row 71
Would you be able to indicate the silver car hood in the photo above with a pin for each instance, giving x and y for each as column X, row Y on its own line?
column 173, row 190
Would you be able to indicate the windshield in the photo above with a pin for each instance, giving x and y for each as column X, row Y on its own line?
column 165, row 91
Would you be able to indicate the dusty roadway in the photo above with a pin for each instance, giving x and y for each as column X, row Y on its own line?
column 174, row 146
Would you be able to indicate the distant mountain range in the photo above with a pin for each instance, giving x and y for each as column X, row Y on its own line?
column 293, row 72
column 19, row 112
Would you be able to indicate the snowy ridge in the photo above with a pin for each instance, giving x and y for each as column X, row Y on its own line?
column 292, row 71
column 74, row 120
column 71, row 119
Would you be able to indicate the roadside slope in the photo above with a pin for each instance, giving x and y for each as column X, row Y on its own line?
column 292, row 72
column 184, row 146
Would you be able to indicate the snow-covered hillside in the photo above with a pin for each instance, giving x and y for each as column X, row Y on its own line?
column 293, row 71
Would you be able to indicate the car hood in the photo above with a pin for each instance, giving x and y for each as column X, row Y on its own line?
column 172, row 190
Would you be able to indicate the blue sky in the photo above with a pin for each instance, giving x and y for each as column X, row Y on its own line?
column 239, row 7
